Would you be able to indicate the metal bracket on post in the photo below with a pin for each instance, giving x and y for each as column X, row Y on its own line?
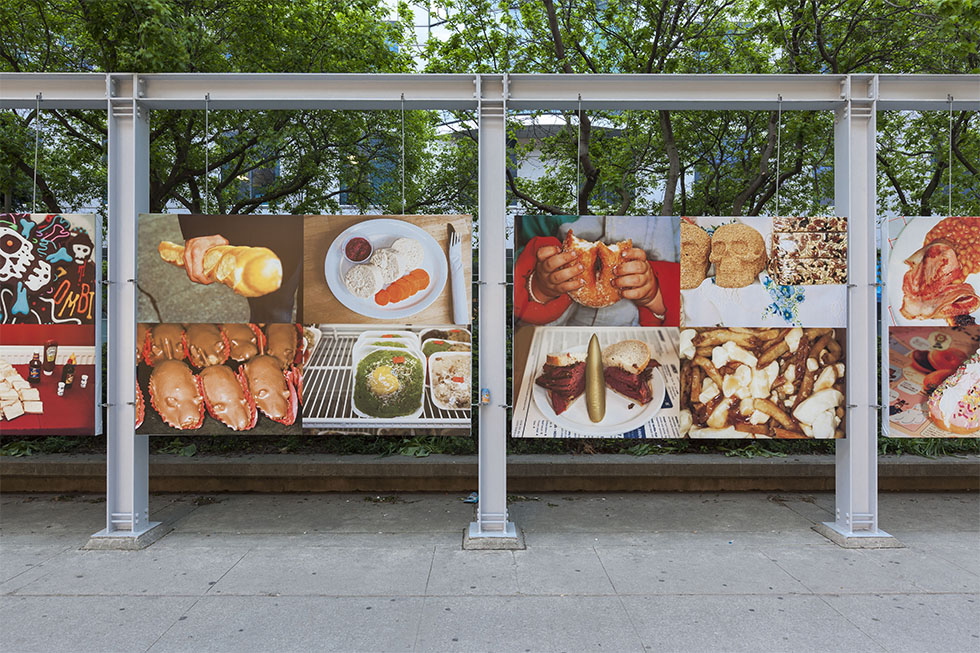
column 492, row 529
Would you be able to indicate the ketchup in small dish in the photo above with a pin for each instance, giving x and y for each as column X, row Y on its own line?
column 357, row 249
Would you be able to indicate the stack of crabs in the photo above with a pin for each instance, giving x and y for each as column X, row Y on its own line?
column 232, row 371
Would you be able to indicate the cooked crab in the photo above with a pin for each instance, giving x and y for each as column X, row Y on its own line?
column 176, row 394
column 227, row 397
column 273, row 390
column 206, row 345
column 245, row 341
column 165, row 342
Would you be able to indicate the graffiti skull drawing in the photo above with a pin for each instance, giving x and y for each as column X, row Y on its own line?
column 20, row 263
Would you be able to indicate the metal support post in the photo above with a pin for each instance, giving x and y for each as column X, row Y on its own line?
column 127, row 459
column 856, row 517
column 492, row 530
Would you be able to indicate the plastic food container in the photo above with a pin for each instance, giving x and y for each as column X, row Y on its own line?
column 433, row 346
column 396, row 339
column 376, row 334
column 395, row 393
column 450, row 385
column 446, row 333
column 358, row 249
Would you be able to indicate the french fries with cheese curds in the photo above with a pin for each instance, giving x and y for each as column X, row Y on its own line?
column 762, row 383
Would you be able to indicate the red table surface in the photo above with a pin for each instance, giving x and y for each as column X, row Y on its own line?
column 71, row 414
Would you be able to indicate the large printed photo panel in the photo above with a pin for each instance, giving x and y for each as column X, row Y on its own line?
column 220, row 268
column 50, row 367
column 764, row 271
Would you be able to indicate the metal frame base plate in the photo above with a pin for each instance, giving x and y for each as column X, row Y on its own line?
column 857, row 540
column 509, row 539
column 106, row 540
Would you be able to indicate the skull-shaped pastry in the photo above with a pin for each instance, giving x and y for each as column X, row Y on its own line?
column 206, row 345
column 739, row 254
column 176, row 395
column 19, row 263
column 166, row 342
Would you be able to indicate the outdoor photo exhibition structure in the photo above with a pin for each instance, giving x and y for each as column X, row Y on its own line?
column 50, row 324
column 854, row 99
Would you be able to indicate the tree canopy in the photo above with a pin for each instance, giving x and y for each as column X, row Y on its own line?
column 630, row 162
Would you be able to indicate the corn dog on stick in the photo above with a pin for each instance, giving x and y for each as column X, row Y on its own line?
column 249, row 271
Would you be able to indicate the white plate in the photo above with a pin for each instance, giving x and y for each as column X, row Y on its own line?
column 619, row 417
column 909, row 241
column 382, row 232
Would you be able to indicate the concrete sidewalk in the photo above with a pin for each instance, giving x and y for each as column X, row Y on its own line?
column 612, row 572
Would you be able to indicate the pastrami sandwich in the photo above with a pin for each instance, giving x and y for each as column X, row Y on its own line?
column 563, row 377
column 628, row 369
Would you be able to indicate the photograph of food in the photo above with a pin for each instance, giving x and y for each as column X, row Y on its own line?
column 410, row 269
column 216, row 379
column 388, row 381
column 933, row 274
column 762, row 383
column 758, row 272
column 934, row 382
column 238, row 269
column 49, row 382
column 596, row 270
column 49, row 268
column 595, row 382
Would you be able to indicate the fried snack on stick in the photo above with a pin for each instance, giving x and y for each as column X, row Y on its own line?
column 721, row 336
column 249, row 271
column 772, row 410
column 774, row 352
column 709, row 369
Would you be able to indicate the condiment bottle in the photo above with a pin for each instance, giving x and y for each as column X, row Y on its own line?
column 50, row 354
column 34, row 369
column 68, row 372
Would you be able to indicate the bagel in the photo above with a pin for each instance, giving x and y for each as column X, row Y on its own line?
column 598, row 259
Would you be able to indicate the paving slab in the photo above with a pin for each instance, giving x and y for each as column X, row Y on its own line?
column 237, row 624
column 624, row 513
column 179, row 540
column 150, row 572
column 695, row 570
column 840, row 571
column 916, row 623
column 561, row 571
column 900, row 512
column 526, row 623
column 680, row 539
column 743, row 623
column 960, row 548
column 15, row 559
column 52, row 624
column 457, row 572
column 395, row 571
column 329, row 513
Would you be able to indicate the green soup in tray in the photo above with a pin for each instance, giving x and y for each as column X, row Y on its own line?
column 388, row 343
column 388, row 384
column 430, row 347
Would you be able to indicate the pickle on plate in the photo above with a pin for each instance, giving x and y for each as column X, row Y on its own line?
column 595, row 385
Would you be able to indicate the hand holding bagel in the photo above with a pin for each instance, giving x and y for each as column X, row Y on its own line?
column 637, row 281
column 555, row 273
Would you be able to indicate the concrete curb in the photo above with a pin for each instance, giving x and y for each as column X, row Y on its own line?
column 528, row 473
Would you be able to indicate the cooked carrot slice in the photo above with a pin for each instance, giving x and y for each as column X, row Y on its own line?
column 382, row 298
column 424, row 278
column 397, row 292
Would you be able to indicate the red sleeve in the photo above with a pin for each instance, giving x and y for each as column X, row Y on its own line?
column 526, row 309
column 669, row 278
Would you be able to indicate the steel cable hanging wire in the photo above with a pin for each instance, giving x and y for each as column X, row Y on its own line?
column 779, row 142
column 403, row 154
column 37, row 147
column 207, row 151
column 578, row 159
column 949, row 193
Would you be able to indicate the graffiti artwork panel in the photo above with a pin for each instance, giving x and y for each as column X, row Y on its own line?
column 48, row 268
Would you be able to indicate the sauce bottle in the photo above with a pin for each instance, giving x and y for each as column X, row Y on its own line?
column 50, row 355
column 68, row 372
column 34, row 370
